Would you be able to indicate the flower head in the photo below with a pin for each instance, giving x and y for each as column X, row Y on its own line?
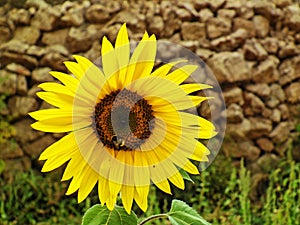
column 127, row 123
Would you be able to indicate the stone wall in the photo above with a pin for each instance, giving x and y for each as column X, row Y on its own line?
column 251, row 46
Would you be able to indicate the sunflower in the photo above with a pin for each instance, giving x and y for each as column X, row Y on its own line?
column 127, row 124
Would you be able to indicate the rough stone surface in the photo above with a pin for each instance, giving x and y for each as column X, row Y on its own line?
column 289, row 70
column 193, row 31
column 280, row 133
column 254, row 50
column 46, row 18
column 261, row 89
column 229, row 66
column 29, row 35
column 243, row 23
column 24, row 132
column 259, row 127
column 292, row 92
column 8, row 84
column 22, row 85
column 266, row 71
column 234, row 113
column 55, row 37
column 21, row 106
column 18, row 69
column 217, row 27
column 97, row 14
column 265, row 144
column 35, row 148
column 234, row 95
column 261, row 25
column 253, row 104
column 42, row 75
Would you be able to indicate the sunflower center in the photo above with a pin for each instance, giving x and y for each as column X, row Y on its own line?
column 123, row 120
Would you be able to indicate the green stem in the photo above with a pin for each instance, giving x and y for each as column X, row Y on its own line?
column 153, row 218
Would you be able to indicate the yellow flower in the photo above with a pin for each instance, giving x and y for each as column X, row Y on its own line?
column 126, row 124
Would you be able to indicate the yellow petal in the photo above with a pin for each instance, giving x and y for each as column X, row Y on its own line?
column 71, row 82
column 109, row 58
column 127, row 197
column 164, row 69
column 190, row 88
column 182, row 73
column 58, row 100
column 90, row 178
column 190, row 168
column 103, row 190
column 57, row 88
column 75, row 69
column 46, row 127
column 141, row 197
column 177, row 180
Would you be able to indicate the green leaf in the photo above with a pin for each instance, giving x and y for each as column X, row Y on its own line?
column 182, row 214
column 101, row 215
column 185, row 175
column 2, row 166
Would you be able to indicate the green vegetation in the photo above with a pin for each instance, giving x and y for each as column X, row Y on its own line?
column 220, row 195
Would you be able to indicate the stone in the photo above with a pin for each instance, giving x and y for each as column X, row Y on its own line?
column 253, row 50
column 241, row 23
column 276, row 116
column 72, row 17
column 233, row 4
column 270, row 44
column 113, row 6
column 200, row 4
column 230, row 42
column 55, row 37
column 35, row 148
column 266, row 9
column 259, row 127
column 13, row 46
column 239, row 131
column 22, row 59
column 217, row 27
column 241, row 149
column 136, row 21
column 292, row 92
column 280, row 133
column 277, row 92
column 5, row 34
column 290, row 49
column 19, row 16
column 289, row 70
column 246, row 11
column 193, row 31
column 41, row 75
column 24, row 131
column 20, row 106
column 8, row 84
column 284, row 111
column 58, row 49
column 262, row 26
column 253, row 104
column 229, row 67
column 272, row 102
column 29, row 34
column 234, row 113
column 21, row 85
column 204, row 53
column 10, row 150
column 205, row 15
column 216, row 4
column 97, row 13
column 183, row 14
column 191, row 45
column 46, row 19
column 265, row 144
column 266, row 71
column 157, row 25
column 261, row 89
column 267, row 112
column 94, row 53
column 54, row 60
column 226, row 13
column 78, row 40
column 189, row 7
column 36, row 51
column 18, row 69
column 233, row 95
column 293, row 18
column 282, row 3
column 39, row 4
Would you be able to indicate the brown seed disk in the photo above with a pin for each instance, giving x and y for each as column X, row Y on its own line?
column 124, row 107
